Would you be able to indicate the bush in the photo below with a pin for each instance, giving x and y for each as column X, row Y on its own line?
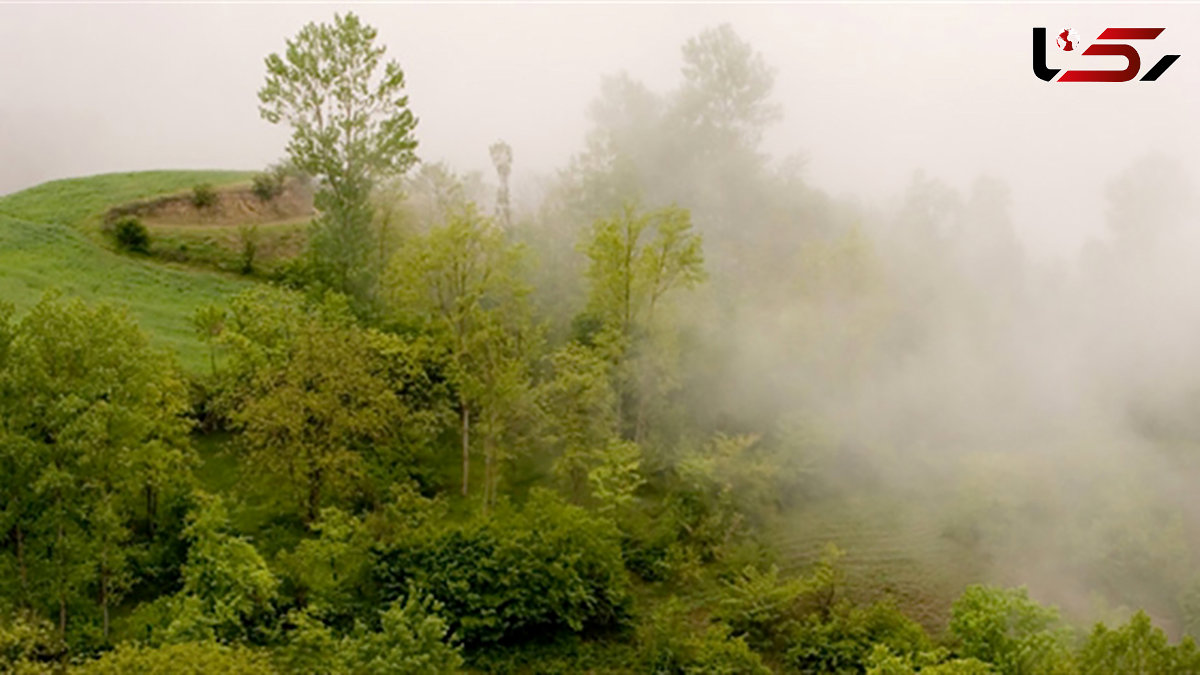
column 248, row 236
column 1137, row 647
column 547, row 568
column 188, row 658
column 1006, row 628
column 204, row 196
column 846, row 640
column 268, row 185
column 668, row 642
column 132, row 235
column 28, row 644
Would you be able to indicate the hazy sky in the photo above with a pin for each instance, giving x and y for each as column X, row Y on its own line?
column 869, row 92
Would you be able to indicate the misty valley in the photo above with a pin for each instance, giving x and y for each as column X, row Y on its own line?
column 671, row 407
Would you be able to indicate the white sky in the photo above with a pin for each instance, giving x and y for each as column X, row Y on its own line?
column 870, row 92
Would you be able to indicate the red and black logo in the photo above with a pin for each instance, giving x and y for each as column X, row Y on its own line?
column 1067, row 41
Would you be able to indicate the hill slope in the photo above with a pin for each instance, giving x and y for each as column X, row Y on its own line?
column 47, row 241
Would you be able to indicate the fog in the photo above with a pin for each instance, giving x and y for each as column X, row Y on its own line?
column 1024, row 285
column 869, row 93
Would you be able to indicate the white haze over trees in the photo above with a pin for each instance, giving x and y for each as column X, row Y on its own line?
column 982, row 287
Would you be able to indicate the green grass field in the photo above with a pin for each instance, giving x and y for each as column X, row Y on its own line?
column 81, row 202
column 45, row 244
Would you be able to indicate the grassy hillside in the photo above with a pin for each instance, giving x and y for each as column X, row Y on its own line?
column 80, row 202
column 43, row 246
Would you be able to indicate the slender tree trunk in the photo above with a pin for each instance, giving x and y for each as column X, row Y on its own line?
column 62, row 593
column 22, row 570
column 465, row 433
column 314, row 495
column 151, row 510
column 488, row 484
column 59, row 542
column 104, row 581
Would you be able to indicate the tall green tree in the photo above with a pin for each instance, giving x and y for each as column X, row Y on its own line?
column 314, row 402
column 91, row 426
column 636, row 260
column 461, row 282
column 351, row 126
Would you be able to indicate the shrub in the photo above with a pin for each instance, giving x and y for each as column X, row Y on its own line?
column 1137, row 647
column 546, row 568
column 668, row 642
column 28, row 644
column 227, row 586
column 188, row 658
column 267, row 185
column 845, row 641
column 132, row 235
column 1006, row 628
column 204, row 196
column 248, row 236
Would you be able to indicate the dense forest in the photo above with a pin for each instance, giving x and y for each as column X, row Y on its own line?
column 674, row 411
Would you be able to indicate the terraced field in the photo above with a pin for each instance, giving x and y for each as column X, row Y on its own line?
column 890, row 552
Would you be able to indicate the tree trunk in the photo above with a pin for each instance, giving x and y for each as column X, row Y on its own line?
column 59, row 542
column 151, row 510
column 314, row 495
column 465, row 432
column 104, row 580
column 488, row 483
column 22, row 570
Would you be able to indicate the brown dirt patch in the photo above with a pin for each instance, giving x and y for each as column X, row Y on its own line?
column 234, row 206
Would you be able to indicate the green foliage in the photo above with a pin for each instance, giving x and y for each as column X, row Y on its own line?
column 460, row 282
column 711, row 498
column 308, row 396
column 41, row 255
column 845, row 639
column 131, row 235
column 580, row 407
column 409, row 636
column 670, row 642
column 82, row 202
column 329, row 573
column 1007, row 629
column 762, row 607
column 1137, row 648
column 228, row 590
column 637, row 260
column 91, row 435
column 412, row 638
column 351, row 126
column 267, row 185
column 204, row 196
column 523, row 573
column 187, row 658
column 937, row 662
column 28, row 645
column 249, row 237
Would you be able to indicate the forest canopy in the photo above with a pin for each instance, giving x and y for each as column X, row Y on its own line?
column 679, row 412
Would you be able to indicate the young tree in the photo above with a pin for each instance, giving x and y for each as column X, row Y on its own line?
column 460, row 282
column 351, row 126
column 308, row 416
column 637, row 259
column 227, row 586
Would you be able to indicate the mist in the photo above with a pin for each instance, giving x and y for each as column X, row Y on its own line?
column 978, row 287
